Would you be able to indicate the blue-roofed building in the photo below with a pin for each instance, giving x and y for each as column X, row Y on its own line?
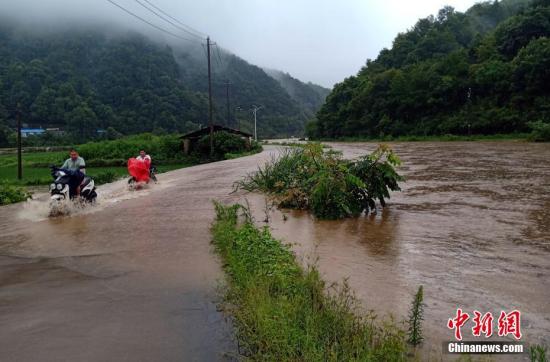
column 25, row 132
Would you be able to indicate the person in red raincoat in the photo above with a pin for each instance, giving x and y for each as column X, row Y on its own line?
column 139, row 167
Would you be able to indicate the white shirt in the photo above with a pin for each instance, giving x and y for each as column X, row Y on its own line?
column 146, row 157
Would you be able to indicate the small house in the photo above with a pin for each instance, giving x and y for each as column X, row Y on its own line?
column 190, row 140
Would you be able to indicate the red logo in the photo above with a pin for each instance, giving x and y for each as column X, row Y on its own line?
column 483, row 324
column 508, row 323
column 457, row 322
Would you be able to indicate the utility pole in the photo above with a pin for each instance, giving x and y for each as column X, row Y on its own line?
column 19, row 159
column 210, row 122
column 227, row 84
column 255, row 110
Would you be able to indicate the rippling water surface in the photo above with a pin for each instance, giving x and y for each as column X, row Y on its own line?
column 472, row 225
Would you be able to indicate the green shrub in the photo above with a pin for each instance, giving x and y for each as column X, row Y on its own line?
column 540, row 131
column 105, row 177
column 161, row 148
column 285, row 313
column 224, row 143
column 537, row 353
column 98, row 162
column 332, row 188
column 10, row 194
column 416, row 315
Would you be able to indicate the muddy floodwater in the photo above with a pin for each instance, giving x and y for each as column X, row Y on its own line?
column 132, row 279
column 135, row 277
column 472, row 225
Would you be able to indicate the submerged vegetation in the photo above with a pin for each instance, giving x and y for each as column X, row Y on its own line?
column 322, row 181
column 284, row 313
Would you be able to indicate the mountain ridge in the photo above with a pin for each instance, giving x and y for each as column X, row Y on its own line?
column 483, row 71
column 83, row 79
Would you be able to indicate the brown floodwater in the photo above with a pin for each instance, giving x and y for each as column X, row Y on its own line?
column 471, row 225
column 135, row 278
column 132, row 279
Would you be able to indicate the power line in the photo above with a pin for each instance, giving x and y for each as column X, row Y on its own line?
column 219, row 57
column 149, row 23
column 200, row 34
column 168, row 21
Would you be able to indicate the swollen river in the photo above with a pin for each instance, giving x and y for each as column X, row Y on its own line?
column 472, row 226
column 135, row 278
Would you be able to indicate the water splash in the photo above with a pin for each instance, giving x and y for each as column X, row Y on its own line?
column 39, row 208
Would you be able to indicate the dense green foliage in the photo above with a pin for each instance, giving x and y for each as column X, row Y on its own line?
column 106, row 161
column 10, row 194
column 82, row 80
column 225, row 144
column 284, row 112
column 485, row 71
column 322, row 181
column 283, row 313
column 541, row 131
column 163, row 149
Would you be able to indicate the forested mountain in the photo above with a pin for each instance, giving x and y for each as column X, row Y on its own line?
column 484, row 71
column 85, row 79
column 309, row 95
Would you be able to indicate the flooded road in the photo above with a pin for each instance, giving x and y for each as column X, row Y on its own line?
column 132, row 279
column 135, row 277
column 472, row 225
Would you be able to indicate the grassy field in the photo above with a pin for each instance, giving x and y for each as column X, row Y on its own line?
column 106, row 160
column 284, row 313
column 36, row 173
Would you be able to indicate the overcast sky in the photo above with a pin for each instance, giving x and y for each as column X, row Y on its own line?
column 322, row 41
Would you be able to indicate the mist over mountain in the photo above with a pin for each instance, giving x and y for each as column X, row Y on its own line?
column 310, row 96
column 484, row 71
column 84, row 77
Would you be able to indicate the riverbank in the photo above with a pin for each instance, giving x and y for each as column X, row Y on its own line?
column 467, row 218
column 282, row 312
column 520, row 137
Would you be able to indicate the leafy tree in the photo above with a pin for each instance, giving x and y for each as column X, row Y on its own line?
column 483, row 71
column 81, row 80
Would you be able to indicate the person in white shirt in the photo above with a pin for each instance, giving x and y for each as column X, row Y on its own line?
column 143, row 156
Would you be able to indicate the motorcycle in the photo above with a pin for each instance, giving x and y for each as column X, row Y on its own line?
column 141, row 172
column 62, row 189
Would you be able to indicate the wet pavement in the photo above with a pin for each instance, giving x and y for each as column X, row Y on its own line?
column 131, row 279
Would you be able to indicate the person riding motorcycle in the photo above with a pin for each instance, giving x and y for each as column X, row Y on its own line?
column 143, row 156
column 76, row 168
column 152, row 169
column 145, row 160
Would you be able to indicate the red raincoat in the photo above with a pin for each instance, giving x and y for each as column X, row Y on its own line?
column 139, row 169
